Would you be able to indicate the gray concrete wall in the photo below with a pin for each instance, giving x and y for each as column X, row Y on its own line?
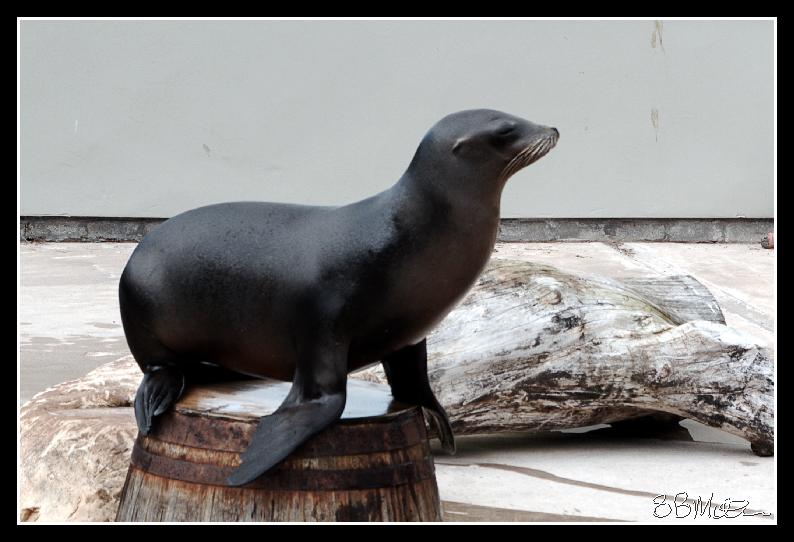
column 147, row 119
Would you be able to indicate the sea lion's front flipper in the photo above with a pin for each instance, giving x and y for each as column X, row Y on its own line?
column 315, row 401
column 406, row 371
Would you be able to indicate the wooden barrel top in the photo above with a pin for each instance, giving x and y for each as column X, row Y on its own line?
column 221, row 417
column 249, row 400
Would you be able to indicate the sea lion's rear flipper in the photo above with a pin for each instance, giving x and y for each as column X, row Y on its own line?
column 406, row 371
column 160, row 388
column 315, row 401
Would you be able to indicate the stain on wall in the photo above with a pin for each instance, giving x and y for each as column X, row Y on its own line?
column 655, row 123
column 656, row 35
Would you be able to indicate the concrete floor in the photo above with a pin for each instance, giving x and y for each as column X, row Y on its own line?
column 69, row 324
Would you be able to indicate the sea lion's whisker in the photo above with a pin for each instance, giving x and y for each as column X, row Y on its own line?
column 534, row 151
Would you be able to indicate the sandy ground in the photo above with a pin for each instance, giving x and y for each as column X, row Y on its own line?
column 69, row 324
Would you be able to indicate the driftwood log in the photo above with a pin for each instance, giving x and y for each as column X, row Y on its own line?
column 373, row 465
column 534, row 348
column 75, row 443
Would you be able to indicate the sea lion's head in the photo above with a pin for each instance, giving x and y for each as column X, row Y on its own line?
column 483, row 146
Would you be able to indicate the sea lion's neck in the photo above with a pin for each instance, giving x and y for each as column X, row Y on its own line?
column 466, row 194
column 455, row 207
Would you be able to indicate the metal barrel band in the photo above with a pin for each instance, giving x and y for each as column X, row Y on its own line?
column 286, row 479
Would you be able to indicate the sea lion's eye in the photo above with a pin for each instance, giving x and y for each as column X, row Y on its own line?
column 505, row 129
column 504, row 133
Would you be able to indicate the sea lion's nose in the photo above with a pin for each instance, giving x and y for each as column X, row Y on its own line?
column 556, row 132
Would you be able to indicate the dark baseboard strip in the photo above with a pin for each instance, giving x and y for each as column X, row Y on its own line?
column 85, row 228
column 674, row 230
column 619, row 230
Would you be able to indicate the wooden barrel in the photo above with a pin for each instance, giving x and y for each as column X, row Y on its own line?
column 373, row 465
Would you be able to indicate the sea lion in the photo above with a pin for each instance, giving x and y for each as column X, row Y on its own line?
column 309, row 294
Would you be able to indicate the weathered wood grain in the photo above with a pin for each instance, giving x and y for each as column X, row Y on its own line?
column 534, row 348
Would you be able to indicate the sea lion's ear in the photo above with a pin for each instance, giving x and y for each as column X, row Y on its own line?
column 459, row 144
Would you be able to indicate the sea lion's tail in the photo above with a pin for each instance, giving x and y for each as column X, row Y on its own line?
column 160, row 388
